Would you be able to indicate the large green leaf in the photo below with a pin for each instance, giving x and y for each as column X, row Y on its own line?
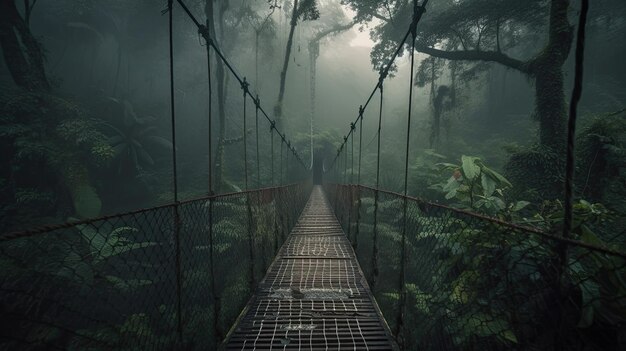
column 519, row 205
column 489, row 185
column 470, row 169
column 486, row 325
column 497, row 176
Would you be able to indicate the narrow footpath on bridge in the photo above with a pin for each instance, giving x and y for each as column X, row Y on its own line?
column 314, row 296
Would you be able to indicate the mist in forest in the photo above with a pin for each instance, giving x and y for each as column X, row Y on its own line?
column 86, row 116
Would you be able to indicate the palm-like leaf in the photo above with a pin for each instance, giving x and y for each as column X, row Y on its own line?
column 133, row 138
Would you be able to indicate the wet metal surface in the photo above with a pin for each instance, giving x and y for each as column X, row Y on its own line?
column 314, row 296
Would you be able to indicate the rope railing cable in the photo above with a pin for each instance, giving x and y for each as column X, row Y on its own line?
column 387, row 68
column 417, row 12
column 174, row 174
column 257, row 101
column 203, row 30
column 210, row 107
column 358, row 181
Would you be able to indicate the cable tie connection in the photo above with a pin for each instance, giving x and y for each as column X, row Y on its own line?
column 204, row 31
column 244, row 86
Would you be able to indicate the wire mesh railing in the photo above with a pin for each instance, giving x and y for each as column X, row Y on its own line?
column 171, row 277
column 475, row 283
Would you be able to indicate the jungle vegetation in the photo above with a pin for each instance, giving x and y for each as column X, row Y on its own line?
column 84, row 124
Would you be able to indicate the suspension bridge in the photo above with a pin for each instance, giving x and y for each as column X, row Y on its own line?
column 297, row 266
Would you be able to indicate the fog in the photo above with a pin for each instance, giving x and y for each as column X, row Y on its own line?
column 94, row 126
column 107, row 62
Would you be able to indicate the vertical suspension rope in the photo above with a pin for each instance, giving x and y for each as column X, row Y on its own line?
column 257, row 103
column 215, row 300
column 376, row 195
column 272, row 127
column 205, row 33
column 358, row 179
column 351, row 189
column 357, row 230
column 402, row 300
column 352, row 126
column 244, row 87
column 345, row 160
column 175, row 176
column 287, row 179
column 281, row 160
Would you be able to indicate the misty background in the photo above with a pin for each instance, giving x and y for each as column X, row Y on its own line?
column 107, row 65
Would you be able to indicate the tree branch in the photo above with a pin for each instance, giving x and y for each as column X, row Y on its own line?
column 456, row 32
column 338, row 28
column 498, row 35
column 474, row 55
column 382, row 18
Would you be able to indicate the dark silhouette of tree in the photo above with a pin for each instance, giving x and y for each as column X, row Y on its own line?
column 22, row 53
column 306, row 10
column 483, row 31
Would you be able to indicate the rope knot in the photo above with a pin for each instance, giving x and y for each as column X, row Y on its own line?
column 257, row 101
column 244, row 86
column 361, row 110
column 352, row 126
column 272, row 125
column 204, row 31
column 168, row 8
column 381, row 78
column 418, row 11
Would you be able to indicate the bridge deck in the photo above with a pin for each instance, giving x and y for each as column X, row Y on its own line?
column 314, row 296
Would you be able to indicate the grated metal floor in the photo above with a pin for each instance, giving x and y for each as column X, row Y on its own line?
column 314, row 296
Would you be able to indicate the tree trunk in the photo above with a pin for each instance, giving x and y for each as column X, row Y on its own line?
column 22, row 53
column 221, row 96
column 547, row 69
column 551, row 107
column 278, row 109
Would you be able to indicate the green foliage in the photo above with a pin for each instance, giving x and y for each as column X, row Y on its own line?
column 47, row 134
column 475, row 284
column 307, row 10
column 106, row 245
column 132, row 137
column 536, row 172
column 424, row 172
column 601, row 150
column 476, row 187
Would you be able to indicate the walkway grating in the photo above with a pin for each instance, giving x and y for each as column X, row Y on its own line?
column 314, row 296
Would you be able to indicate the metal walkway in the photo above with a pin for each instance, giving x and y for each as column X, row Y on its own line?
column 314, row 296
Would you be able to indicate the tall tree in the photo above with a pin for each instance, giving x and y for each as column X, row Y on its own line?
column 481, row 31
column 22, row 53
column 260, row 24
column 214, row 17
column 305, row 10
column 314, row 52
